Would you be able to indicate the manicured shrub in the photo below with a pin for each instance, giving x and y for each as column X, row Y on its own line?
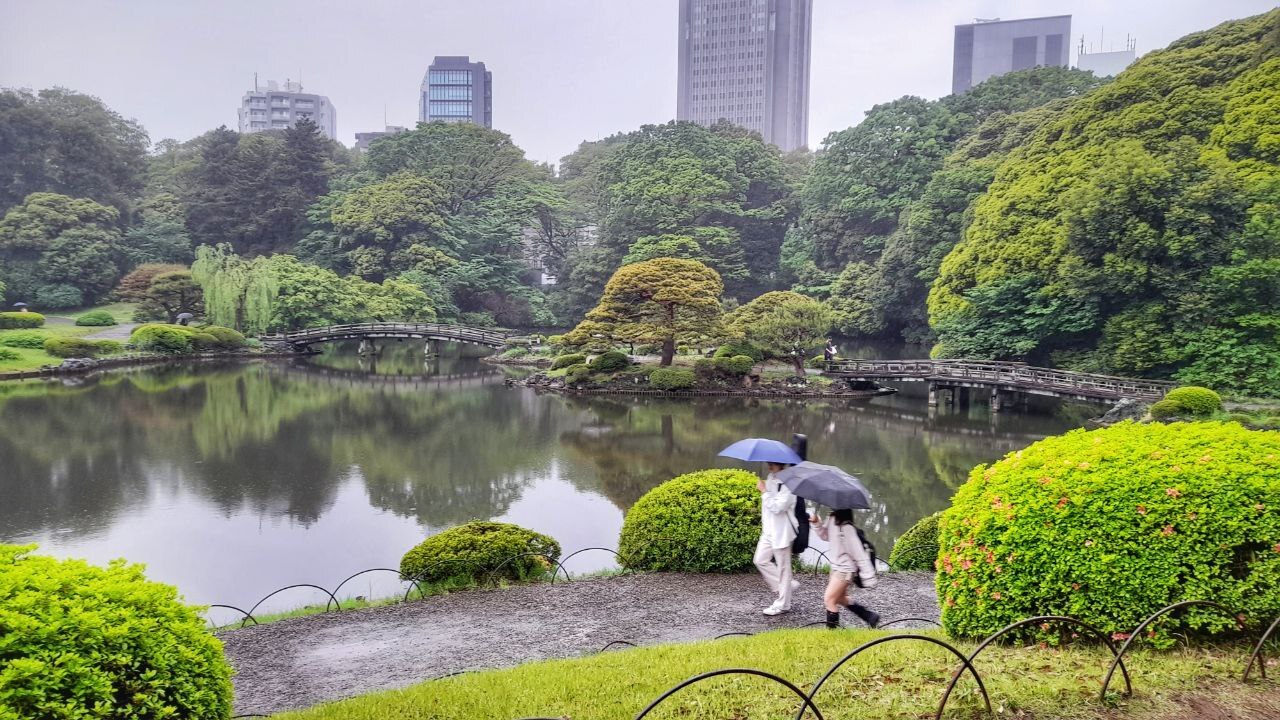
column 73, row 347
column 611, row 361
column 513, row 353
column 20, row 320
column 917, row 549
column 103, row 643
column 739, row 347
column 575, row 374
column 565, row 361
column 31, row 339
column 1188, row 402
column 96, row 318
column 671, row 378
column 477, row 548
column 705, row 521
column 817, row 362
column 202, row 341
column 737, row 366
column 225, row 337
column 705, row 369
column 555, row 340
column 1111, row 525
column 173, row 339
column 8, row 354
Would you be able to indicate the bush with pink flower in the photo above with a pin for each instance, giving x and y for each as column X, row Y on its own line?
column 1110, row 525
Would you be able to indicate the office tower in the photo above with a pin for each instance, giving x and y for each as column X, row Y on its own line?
column 365, row 138
column 986, row 48
column 1106, row 64
column 747, row 61
column 276, row 108
column 457, row 90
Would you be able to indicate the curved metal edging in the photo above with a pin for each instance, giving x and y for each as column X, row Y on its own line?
column 1042, row 619
column 333, row 599
column 422, row 575
column 362, row 572
column 817, row 568
column 886, row 623
column 563, row 560
column 732, row 634
column 891, row 638
column 628, row 643
column 493, row 573
column 1256, row 655
column 248, row 617
column 807, row 701
column 1137, row 632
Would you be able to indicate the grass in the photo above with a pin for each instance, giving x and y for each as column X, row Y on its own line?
column 904, row 679
column 122, row 312
column 32, row 358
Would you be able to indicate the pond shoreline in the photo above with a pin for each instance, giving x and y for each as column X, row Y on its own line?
column 88, row 368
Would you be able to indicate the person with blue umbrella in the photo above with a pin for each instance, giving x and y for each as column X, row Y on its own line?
column 777, row 506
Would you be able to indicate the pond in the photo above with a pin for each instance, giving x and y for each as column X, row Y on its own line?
column 233, row 480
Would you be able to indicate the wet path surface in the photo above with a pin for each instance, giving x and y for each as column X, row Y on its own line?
column 305, row 661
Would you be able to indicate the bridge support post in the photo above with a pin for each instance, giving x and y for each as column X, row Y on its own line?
column 366, row 347
column 996, row 401
column 432, row 348
column 933, row 395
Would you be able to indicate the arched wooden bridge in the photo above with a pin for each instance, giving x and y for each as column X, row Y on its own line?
column 999, row 377
column 302, row 339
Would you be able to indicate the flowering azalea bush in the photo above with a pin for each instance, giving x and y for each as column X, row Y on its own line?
column 1110, row 525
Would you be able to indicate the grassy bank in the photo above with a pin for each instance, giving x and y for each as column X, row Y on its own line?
column 903, row 679
column 56, row 326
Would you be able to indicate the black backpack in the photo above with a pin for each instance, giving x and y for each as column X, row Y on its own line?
column 871, row 551
column 801, row 543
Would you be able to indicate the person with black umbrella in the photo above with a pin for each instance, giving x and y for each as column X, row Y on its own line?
column 850, row 564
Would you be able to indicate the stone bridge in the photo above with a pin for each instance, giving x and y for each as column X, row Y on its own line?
column 947, row 376
column 301, row 340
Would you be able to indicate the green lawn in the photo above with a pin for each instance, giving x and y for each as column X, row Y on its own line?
column 32, row 358
column 903, row 679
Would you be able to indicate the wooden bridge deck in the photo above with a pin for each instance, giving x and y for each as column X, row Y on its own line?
column 1006, row 376
column 300, row 339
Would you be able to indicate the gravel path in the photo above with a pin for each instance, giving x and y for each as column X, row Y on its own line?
column 120, row 332
column 301, row 662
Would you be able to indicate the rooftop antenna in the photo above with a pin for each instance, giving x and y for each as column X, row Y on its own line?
column 255, row 82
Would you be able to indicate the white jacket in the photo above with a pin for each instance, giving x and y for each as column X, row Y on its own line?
column 777, row 514
column 847, row 553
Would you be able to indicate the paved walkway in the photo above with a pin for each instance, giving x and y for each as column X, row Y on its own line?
column 301, row 662
column 119, row 332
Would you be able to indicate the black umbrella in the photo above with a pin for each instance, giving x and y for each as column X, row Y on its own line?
column 826, row 485
column 20, row 304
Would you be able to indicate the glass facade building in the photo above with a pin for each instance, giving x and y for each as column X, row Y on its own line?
column 747, row 61
column 457, row 90
column 988, row 48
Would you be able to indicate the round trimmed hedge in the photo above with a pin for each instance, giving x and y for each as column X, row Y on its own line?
column 96, row 318
column 1187, row 402
column 30, row 339
column 162, row 338
column 917, row 549
column 565, row 361
column 737, row 365
column 1111, row 525
column 705, row 521
column 20, row 320
column 74, row 347
column 103, row 644
column 739, row 347
column 475, row 549
column 611, row 361
column 671, row 378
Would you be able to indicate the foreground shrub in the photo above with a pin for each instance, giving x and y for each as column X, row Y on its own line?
column 706, row 521
column 20, row 320
column 565, row 361
column 611, row 361
column 81, row 641
column 477, row 548
column 156, row 337
column 1187, row 402
column 671, row 378
column 96, row 318
column 73, row 347
column 739, row 347
column 30, row 339
column 917, row 549
column 1110, row 525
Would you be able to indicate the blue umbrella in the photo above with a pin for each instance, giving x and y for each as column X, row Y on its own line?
column 761, row 450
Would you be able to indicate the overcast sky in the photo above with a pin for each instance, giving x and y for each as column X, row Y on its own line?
column 564, row 70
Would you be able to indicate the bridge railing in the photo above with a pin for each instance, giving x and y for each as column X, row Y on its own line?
column 462, row 333
column 1009, row 373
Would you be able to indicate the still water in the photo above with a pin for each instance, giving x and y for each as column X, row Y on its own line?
column 231, row 481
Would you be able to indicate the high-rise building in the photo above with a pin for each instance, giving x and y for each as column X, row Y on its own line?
column 1106, row 64
column 277, row 108
column 986, row 48
column 365, row 138
column 457, row 90
column 747, row 61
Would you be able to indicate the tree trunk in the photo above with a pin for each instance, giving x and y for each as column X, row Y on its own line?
column 798, row 361
column 668, row 352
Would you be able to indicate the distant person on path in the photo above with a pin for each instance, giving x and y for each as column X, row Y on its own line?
column 773, row 552
column 850, row 564
column 829, row 352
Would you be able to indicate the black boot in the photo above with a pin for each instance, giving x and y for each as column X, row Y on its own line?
column 870, row 617
column 833, row 620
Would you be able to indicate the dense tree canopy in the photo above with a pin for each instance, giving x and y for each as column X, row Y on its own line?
column 784, row 324
column 59, row 252
column 1136, row 231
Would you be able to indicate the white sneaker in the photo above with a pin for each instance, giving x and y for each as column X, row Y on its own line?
column 777, row 608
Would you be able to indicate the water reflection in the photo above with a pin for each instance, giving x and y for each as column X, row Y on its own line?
column 233, row 480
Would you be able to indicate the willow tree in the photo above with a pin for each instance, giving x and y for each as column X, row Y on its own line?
column 661, row 301
column 238, row 293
